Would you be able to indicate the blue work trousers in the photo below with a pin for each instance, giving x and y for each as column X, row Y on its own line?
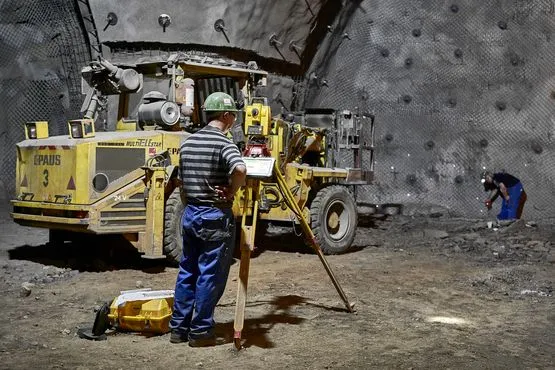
column 208, row 242
column 510, row 209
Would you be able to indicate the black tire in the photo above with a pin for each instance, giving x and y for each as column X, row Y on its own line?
column 173, row 242
column 333, row 219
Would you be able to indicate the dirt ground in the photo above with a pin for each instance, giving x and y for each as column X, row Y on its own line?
column 429, row 293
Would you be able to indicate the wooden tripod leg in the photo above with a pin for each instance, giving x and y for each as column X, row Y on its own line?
column 310, row 236
column 247, row 246
column 241, row 295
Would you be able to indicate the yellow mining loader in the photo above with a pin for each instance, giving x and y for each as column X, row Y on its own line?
column 122, row 182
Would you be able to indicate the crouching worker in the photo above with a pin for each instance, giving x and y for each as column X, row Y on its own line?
column 511, row 191
column 211, row 170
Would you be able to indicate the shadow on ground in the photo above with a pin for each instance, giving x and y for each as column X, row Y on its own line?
column 255, row 330
column 96, row 254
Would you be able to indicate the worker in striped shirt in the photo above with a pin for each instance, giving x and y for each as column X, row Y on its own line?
column 211, row 170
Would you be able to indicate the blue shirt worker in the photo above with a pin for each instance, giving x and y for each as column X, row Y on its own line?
column 211, row 170
column 511, row 190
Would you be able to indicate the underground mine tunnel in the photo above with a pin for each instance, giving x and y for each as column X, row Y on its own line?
column 451, row 88
column 456, row 87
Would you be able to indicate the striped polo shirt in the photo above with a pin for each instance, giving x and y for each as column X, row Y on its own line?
column 206, row 159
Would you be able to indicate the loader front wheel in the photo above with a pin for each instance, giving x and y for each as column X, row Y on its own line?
column 173, row 242
column 333, row 219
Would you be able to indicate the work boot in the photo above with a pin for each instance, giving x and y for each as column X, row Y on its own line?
column 178, row 337
column 206, row 341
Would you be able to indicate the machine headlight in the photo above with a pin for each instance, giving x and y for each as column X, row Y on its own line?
column 80, row 128
column 32, row 132
column 76, row 131
column 100, row 182
column 36, row 130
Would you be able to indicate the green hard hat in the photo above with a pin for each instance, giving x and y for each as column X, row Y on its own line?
column 219, row 102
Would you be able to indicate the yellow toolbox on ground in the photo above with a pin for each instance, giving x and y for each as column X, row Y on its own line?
column 142, row 310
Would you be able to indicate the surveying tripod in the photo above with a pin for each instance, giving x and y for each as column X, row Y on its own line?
column 248, row 228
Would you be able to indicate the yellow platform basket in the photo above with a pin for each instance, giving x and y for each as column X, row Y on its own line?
column 142, row 311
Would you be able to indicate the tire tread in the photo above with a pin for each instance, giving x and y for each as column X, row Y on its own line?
column 316, row 208
column 172, row 244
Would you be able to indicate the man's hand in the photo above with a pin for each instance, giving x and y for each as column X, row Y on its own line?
column 488, row 203
column 224, row 192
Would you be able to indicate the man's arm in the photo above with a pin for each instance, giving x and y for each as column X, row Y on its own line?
column 237, row 174
column 504, row 191
column 493, row 195
column 238, row 177
column 491, row 198
column 176, row 182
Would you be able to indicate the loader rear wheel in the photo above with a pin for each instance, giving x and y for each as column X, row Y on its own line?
column 333, row 219
column 173, row 242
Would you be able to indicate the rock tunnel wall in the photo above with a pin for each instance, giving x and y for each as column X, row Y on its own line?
column 42, row 49
column 238, row 28
column 456, row 87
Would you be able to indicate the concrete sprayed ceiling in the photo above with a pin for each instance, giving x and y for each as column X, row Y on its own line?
column 285, row 30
